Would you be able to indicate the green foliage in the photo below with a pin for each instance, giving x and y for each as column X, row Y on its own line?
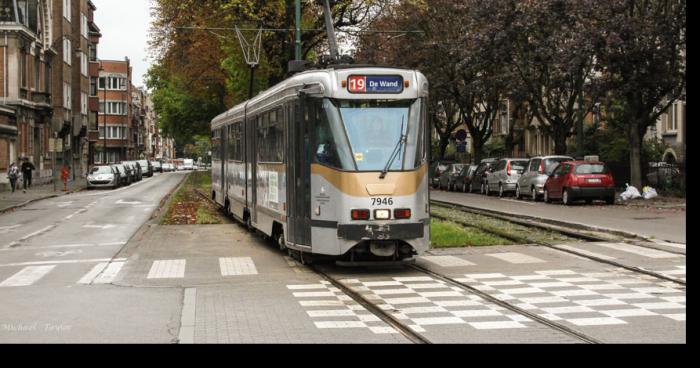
column 495, row 147
column 450, row 234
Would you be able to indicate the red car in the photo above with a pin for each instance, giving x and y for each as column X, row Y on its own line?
column 578, row 180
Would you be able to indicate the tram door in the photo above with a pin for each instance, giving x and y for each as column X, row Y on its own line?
column 299, row 123
column 252, row 161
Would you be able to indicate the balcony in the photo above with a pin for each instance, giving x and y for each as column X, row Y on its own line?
column 41, row 98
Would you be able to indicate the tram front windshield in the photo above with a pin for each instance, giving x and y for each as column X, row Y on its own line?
column 362, row 135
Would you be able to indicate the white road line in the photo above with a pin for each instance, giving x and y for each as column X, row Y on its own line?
column 37, row 232
column 496, row 325
column 306, row 287
column 645, row 252
column 340, row 324
column 237, row 266
column 87, row 279
column 587, row 253
column 439, row 321
column 109, row 274
column 321, row 303
column 516, row 258
column 448, row 261
column 28, row 276
column 60, row 246
column 604, row 321
column 62, row 262
column 331, row 313
column 171, row 269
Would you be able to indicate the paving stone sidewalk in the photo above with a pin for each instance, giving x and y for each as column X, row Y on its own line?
column 9, row 200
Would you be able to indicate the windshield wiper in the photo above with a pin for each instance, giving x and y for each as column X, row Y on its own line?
column 396, row 152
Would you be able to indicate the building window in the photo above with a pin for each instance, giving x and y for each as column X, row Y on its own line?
column 113, row 108
column 67, row 9
column 84, row 103
column 93, row 87
column 672, row 119
column 83, row 25
column 504, row 111
column 113, row 132
column 66, row 96
column 23, row 67
column 113, row 83
column 83, row 64
column 93, row 52
column 67, row 51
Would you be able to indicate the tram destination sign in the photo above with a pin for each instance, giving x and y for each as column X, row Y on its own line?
column 375, row 84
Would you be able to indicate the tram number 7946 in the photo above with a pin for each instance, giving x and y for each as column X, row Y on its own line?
column 382, row 201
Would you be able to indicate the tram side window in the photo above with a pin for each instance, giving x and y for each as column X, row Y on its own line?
column 216, row 144
column 236, row 142
column 271, row 137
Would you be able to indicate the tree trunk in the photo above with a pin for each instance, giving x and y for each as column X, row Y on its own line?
column 477, row 151
column 635, row 155
column 560, row 144
column 444, row 142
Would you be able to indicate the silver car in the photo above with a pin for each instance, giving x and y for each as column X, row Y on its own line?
column 103, row 177
column 531, row 183
column 504, row 177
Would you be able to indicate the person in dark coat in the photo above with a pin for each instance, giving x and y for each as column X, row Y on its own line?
column 27, row 168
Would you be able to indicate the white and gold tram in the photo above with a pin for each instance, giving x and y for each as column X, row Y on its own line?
column 332, row 163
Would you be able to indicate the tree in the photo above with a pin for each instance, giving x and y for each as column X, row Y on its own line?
column 556, row 43
column 645, row 48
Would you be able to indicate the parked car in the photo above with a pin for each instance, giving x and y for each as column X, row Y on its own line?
column 479, row 179
column 147, row 168
column 168, row 167
column 129, row 172
column 463, row 180
column 103, row 176
column 436, row 171
column 449, row 175
column 505, row 175
column 187, row 164
column 124, row 179
column 580, row 180
column 157, row 166
column 138, row 173
column 531, row 183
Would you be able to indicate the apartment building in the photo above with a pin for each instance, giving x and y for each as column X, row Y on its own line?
column 671, row 130
column 26, row 53
column 115, row 119
column 95, row 35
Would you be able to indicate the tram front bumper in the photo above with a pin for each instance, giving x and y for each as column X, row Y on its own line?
column 381, row 232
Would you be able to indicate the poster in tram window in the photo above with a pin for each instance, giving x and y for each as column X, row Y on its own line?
column 273, row 180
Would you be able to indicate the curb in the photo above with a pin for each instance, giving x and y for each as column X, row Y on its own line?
column 24, row 204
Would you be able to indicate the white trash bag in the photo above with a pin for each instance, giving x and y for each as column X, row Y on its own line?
column 630, row 193
column 650, row 193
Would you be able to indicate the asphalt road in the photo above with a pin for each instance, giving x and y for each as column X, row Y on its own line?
column 667, row 225
column 64, row 247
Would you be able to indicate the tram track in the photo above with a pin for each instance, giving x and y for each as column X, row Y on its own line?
column 526, row 240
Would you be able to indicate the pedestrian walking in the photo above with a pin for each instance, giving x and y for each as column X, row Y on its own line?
column 65, row 174
column 13, row 175
column 27, row 168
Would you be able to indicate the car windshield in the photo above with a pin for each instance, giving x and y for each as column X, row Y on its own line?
column 143, row 163
column 591, row 169
column 101, row 170
column 374, row 131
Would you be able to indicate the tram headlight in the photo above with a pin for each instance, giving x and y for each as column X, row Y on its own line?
column 382, row 214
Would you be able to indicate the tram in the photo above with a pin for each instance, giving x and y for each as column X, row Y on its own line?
column 331, row 163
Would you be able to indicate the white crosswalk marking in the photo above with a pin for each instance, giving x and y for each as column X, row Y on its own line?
column 645, row 252
column 90, row 276
column 27, row 276
column 109, row 274
column 237, row 266
column 516, row 258
column 447, row 261
column 172, row 269
column 587, row 253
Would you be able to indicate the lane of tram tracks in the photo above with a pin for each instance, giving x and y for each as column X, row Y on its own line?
column 524, row 240
column 418, row 338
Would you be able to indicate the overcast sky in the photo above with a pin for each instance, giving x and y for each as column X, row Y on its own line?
column 125, row 25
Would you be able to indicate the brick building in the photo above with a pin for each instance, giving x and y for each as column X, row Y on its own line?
column 115, row 119
column 26, row 51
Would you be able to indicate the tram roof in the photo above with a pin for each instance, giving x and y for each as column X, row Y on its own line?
column 329, row 83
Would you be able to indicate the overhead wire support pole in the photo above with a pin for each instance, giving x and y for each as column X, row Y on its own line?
column 297, row 44
column 330, row 28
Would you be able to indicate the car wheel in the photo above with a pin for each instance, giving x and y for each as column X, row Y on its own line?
column 534, row 194
column 546, row 196
column 500, row 191
column 518, row 195
column 471, row 187
column 483, row 189
column 566, row 199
